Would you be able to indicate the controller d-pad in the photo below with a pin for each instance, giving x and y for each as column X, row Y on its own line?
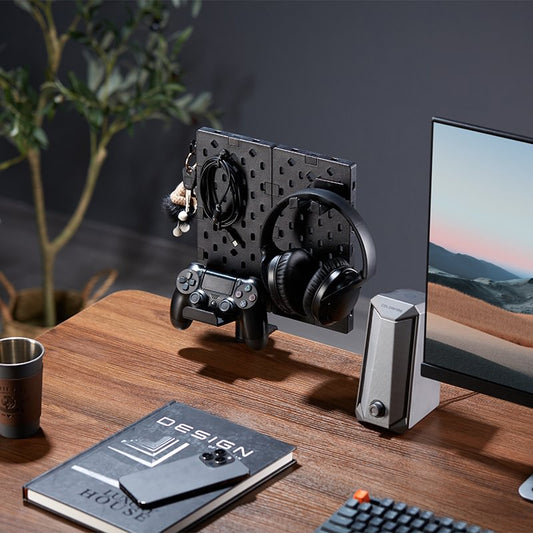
column 187, row 281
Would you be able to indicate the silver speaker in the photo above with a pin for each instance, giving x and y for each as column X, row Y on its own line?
column 392, row 393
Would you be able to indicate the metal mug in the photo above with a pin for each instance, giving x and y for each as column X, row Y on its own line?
column 21, row 378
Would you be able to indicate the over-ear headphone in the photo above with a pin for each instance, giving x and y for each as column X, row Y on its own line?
column 300, row 284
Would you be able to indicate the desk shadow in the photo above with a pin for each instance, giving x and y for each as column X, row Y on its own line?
column 336, row 394
column 463, row 434
column 248, row 497
column 225, row 360
column 17, row 451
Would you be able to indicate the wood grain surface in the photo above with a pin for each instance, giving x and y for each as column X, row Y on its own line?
column 120, row 359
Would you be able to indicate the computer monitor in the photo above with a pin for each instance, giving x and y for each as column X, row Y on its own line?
column 479, row 293
column 479, row 326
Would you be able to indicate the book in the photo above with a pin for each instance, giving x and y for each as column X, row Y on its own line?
column 86, row 489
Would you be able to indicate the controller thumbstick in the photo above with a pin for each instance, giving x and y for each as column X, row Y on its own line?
column 197, row 298
column 226, row 306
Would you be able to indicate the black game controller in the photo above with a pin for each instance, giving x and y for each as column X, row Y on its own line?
column 217, row 299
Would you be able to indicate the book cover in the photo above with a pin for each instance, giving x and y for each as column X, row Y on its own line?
column 85, row 489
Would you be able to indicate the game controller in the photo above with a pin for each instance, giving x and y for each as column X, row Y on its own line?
column 192, row 475
column 217, row 299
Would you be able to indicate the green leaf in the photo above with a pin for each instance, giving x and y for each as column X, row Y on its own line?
column 173, row 88
column 107, row 40
column 196, row 7
column 95, row 117
column 201, row 103
column 181, row 37
column 23, row 4
column 110, row 85
column 41, row 138
column 95, row 72
column 79, row 89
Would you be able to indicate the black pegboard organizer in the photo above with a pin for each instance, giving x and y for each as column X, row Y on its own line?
column 271, row 172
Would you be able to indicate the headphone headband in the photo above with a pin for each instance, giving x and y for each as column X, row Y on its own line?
column 333, row 201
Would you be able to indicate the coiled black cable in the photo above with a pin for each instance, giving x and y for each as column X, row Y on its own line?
column 223, row 207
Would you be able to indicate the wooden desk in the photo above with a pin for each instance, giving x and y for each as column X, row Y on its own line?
column 121, row 358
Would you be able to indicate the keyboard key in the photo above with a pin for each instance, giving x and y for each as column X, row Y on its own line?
column 400, row 507
column 333, row 528
column 340, row 520
column 348, row 512
column 368, row 514
column 460, row 526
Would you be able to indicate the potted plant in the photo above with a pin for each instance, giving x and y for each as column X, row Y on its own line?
column 132, row 74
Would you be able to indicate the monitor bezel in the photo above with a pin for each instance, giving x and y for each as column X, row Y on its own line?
column 447, row 375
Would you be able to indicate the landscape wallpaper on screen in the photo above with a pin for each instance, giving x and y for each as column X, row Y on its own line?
column 480, row 271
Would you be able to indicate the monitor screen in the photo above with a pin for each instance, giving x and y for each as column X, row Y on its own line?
column 479, row 321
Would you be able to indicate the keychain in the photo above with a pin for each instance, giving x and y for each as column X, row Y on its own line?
column 181, row 204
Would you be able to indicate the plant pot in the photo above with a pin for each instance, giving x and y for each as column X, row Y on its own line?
column 23, row 312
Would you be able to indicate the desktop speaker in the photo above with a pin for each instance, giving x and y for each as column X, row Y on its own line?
column 392, row 393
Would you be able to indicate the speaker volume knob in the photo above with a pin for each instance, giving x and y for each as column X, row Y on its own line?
column 377, row 409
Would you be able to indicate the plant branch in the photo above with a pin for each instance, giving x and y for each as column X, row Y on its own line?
column 97, row 159
column 10, row 162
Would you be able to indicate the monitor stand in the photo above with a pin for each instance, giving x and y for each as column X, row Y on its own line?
column 526, row 489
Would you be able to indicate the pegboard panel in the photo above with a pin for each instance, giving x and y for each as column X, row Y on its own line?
column 325, row 233
column 254, row 158
column 272, row 172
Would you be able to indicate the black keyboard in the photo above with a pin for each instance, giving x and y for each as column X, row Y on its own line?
column 365, row 514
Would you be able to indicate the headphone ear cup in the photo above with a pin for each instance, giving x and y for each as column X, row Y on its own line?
column 288, row 277
column 332, row 292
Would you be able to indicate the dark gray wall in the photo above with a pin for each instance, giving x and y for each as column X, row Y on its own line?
column 358, row 80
